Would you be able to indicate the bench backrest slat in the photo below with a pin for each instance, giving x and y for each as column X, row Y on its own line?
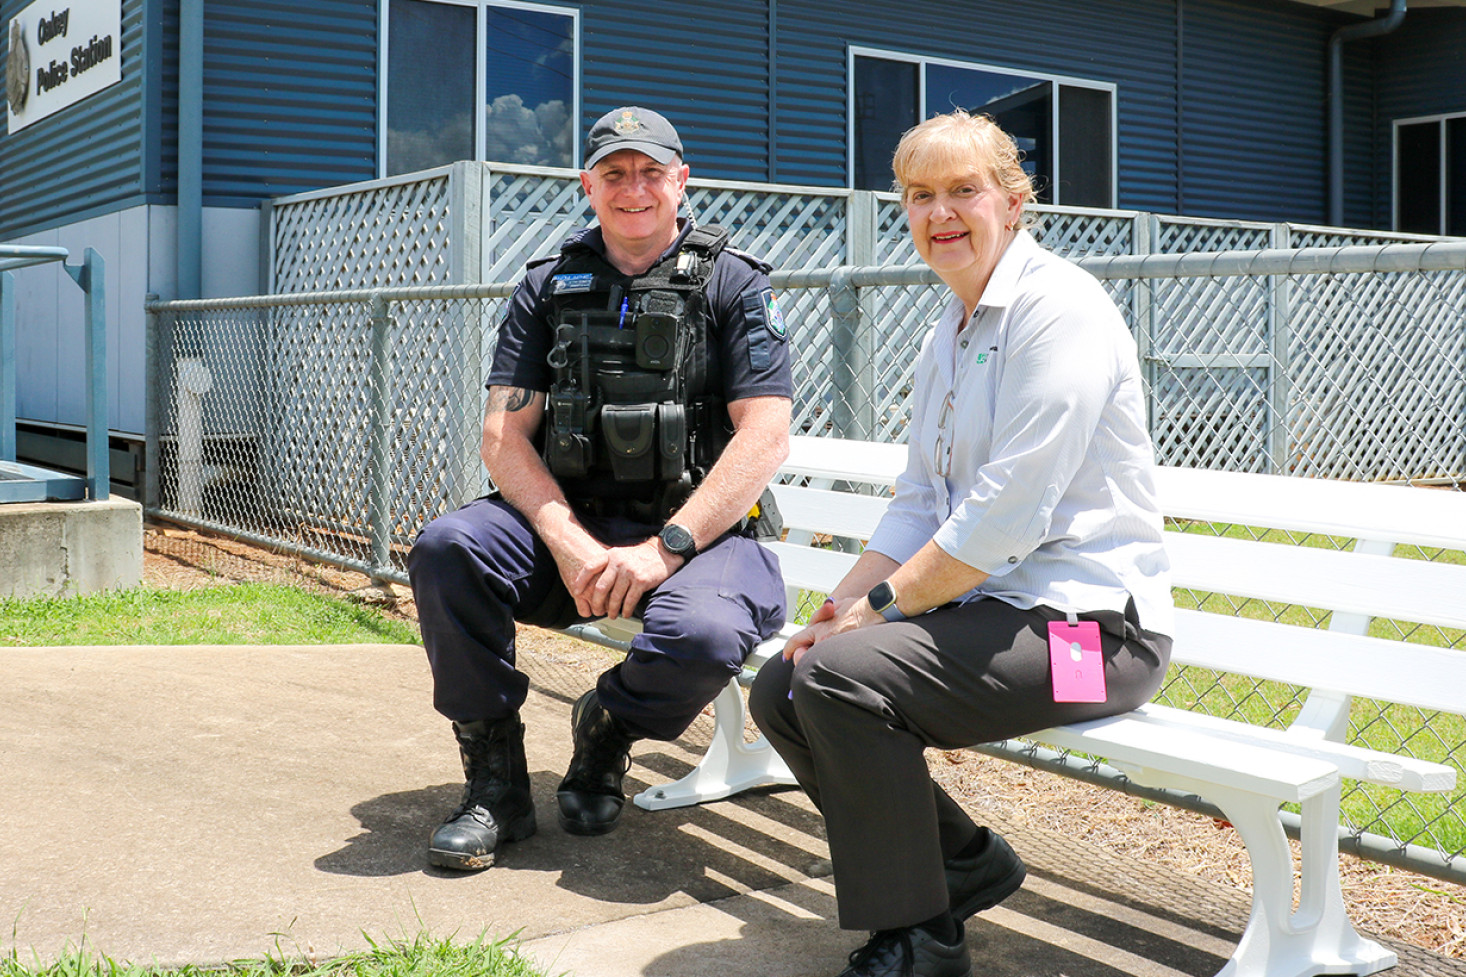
column 1371, row 668
column 1358, row 510
column 1377, row 586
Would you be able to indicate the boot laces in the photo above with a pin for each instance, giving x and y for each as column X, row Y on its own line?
column 602, row 752
column 884, row 947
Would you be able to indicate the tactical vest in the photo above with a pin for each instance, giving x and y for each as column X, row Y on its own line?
column 631, row 426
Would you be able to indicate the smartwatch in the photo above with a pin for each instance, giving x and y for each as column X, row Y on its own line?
column 882, row 599
column 678, row 541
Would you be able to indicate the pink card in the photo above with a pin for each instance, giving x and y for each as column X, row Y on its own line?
column 1077, row 662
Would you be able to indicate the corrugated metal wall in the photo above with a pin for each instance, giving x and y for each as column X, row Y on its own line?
column 87, row 157
column 1255, row 87
column 290, row 97
column 1221, row 102
column 1422, row 72
column 705, row 68
column 1050, row 36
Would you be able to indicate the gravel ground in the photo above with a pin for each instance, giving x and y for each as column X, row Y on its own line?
column 1404, row 906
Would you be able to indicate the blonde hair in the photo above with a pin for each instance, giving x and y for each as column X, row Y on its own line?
column 961, row 143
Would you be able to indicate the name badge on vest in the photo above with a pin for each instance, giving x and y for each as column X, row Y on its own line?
column 570, row 284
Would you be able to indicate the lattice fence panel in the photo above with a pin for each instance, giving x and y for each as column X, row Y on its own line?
column 1378, row 367
column 528, row 218
column 788, row 230
column 1179, row 236
column 394, row 234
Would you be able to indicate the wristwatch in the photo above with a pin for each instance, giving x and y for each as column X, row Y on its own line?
column 678, row 541
column 882, row 599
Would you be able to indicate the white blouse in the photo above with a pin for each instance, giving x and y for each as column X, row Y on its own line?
column 1029, row 457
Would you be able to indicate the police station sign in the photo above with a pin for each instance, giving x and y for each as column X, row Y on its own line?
column 59, row 53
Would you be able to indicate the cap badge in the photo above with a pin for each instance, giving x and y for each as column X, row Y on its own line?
column 627, row 124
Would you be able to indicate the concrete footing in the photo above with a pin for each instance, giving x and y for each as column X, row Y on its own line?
column 65, row 549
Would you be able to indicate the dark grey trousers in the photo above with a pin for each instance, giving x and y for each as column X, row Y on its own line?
column 854, row 716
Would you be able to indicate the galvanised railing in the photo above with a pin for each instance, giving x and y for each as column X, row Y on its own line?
column 32, row 483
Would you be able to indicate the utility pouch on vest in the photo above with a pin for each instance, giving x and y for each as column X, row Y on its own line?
column 568, row 451
column 672, row 440
column 630, row 432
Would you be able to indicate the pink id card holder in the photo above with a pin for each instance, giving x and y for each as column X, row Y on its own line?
column 1076, row 661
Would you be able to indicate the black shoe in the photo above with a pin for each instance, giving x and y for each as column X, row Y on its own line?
column 496, row 806
column 981, row 881
column 910, row 952
column 590, row 796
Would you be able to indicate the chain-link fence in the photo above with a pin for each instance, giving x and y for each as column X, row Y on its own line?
column 335, row 424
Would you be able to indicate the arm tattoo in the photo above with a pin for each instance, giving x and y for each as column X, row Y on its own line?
column 510, row 399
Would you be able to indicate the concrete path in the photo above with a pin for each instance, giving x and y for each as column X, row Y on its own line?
column 205, row 804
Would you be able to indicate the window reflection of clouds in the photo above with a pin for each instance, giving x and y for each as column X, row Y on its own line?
column 527, row 105
column 530, row 90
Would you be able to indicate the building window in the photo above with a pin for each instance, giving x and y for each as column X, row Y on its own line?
column 470, row 79
column 1064, row 126
column 1430, row 175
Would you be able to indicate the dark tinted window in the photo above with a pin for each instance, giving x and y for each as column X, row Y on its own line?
column 1418, row 176
column 429, row 112
column 885, row 107
column 1085, row 154
column 1456, row 177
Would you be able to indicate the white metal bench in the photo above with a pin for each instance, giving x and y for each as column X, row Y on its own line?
column 1246, row 771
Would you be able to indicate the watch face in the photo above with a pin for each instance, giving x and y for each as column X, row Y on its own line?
column 677, row 539
column 881, row 596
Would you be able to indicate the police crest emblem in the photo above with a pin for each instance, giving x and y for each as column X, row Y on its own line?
column 17, row 70
column 628, row 123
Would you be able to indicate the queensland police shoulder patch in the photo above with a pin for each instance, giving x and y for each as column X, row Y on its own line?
column 773, row 318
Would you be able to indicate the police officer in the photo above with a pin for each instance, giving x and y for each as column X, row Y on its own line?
column 638, row 404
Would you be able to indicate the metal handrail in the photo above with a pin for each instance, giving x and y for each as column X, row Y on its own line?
column 30, row 483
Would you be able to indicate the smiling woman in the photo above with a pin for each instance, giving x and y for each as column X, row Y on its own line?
column 1016, row 581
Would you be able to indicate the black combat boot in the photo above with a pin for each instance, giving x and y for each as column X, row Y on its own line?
column 590, row 796
column 496, row 804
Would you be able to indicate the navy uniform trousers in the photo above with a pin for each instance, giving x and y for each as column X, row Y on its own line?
column 476, row 570
column 854, row 716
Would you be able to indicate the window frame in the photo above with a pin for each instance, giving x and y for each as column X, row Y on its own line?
column 1057, row 81
column 1442, row 146
column 480, row 79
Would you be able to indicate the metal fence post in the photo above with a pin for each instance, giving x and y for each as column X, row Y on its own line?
column 91, row 276
column 1280, row 336
column 379, row 466
column 152, row 410
column 853, row 335
column 7, row 367
column 1145, row 232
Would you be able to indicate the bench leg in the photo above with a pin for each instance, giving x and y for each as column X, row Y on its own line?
column 1318, row 938
column 729, row 766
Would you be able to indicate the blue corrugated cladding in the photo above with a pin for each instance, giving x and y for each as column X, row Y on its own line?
column 1255, row 90
column 706, row 70
column 1422, row 73
column 1129, row 44
column 1248, row 75
column 290, row 97
column 85, row 157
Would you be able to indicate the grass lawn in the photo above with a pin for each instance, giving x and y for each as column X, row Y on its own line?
column 420, row 957
column 245, row 613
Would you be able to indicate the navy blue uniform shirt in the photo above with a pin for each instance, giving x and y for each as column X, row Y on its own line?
column 748, row 355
